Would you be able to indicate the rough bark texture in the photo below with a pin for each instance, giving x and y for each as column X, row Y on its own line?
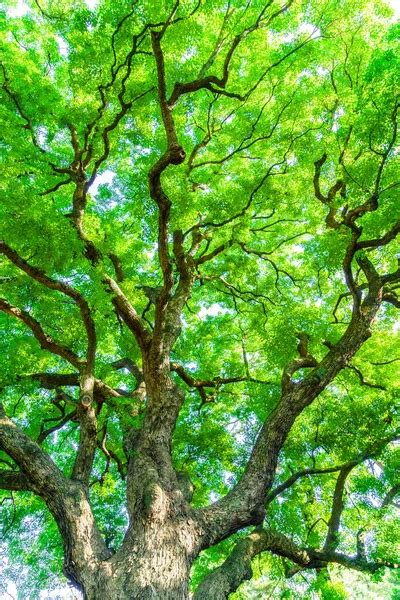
column 165, row 533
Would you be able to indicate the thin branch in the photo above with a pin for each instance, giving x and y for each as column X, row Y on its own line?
column 363, row 381
column 17, row 103
column 332, row 537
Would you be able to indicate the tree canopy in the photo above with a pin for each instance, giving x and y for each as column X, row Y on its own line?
column 199, row 287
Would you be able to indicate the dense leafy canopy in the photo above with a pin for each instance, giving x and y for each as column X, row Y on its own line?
column 286, row 203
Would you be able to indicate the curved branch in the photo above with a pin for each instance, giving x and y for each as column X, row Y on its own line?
column 237, row 568
column 53, row 284
column 128, row 314
column 370, row 452
column 244, row 504
column 66, row 500
column 332, row 537
column 216, row 84
column 46, row 341
column 28, row 121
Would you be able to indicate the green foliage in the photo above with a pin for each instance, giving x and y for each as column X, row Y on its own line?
column 331, row 89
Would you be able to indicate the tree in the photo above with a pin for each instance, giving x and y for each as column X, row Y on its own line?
column 199, row 352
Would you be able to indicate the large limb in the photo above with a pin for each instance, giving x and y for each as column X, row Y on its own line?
column 173, row 155
column 151, row 456
column 332, row 537
column 244, row 504
column 66, row 499
column 237, row 568
column 86, row 413
column 14, row 481
column 164, row 398
column 46, row 341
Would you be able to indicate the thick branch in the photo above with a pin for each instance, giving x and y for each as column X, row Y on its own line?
column 51, row 381
column 65, row 499
column 238, row 568
column 382, row 241
column 14, row 480
column 39, row 276
column 45, row 477
column 87, row 443
column 244, row 504
column 46, row 341
column 391, row 495
column 332, row 540
column 128, row 313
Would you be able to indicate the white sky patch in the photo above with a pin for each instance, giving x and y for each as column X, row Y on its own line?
column 18, row 11
column 212, row 311
column 228, row 477
column 304, row 73
column 42, row 135
column 339, row 113
column 305, row 28
column 190, row 53
column 395, row 4
column 105, row 177
column 322, row 71
column 150, row 254
column 62, row 46
column 310, row 30
column 375, row 468
column 142, row 150
column 61, row 593
column 11, row 592
column 92, row 4
column 192, row 366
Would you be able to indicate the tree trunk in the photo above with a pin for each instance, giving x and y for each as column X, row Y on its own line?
column 153, row 563
column 164, row 535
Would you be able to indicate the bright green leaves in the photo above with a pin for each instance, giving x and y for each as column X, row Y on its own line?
column 314, row 80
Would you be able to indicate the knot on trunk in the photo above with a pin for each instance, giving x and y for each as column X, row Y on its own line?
column 86, row 400
column 156, row 502
column 176, row 154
